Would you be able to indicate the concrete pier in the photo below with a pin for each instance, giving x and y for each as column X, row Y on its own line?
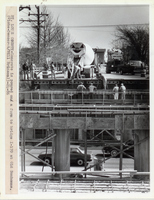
column 142, row 152
column 62, row 150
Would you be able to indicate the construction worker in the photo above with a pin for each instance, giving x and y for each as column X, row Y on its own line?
column 116, row 92
column 52, row 68
column 80, row 89
column 123, row 91
column 103, row 80
column 91, row 90
column 32, row 70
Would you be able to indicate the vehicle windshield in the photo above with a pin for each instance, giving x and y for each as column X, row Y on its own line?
column 49, row 151
column 75, row 151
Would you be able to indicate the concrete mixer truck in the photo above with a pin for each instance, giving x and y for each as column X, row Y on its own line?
column 83, row 56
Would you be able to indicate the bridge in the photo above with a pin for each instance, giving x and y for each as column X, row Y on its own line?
column 56, row 107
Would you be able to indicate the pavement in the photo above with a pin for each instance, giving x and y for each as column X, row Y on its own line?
column 32, row 164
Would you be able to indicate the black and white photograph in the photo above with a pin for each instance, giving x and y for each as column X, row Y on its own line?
column 83, row 99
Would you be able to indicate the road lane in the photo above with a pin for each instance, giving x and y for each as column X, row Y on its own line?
column 111, row 164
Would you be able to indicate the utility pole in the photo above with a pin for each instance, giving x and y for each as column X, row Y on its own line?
column 44, row 56
column 38, row 33
column 38, row 26
column 38, row 30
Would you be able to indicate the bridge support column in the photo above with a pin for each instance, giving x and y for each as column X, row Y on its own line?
column 141, row 152
column 80, row 135
column 128, row 135
column 62, row 150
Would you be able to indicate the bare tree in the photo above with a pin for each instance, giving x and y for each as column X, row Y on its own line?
column 134, row 42
column 53, row 37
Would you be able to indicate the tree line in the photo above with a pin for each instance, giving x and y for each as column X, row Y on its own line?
column 134, row 42
column 54, row 41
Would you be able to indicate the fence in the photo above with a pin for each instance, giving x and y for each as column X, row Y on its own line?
column 74, row 97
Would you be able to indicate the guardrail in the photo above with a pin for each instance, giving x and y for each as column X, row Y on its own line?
column 74, row 97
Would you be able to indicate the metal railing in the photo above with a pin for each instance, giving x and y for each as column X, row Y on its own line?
column 74, row 97
column 78, row 186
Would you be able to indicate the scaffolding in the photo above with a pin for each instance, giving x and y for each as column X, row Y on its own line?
column 47, row 181
column 89, row 186
column 99, row 162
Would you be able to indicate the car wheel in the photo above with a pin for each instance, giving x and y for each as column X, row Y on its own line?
column 47, row 160
column 80, row 162
column 114, row 152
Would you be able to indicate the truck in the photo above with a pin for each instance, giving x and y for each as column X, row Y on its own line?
column 87, row 58
column 112, row 66
column 115, row 58
column 83, row 56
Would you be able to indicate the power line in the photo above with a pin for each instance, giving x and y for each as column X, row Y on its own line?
column 79, row 6
column 96, row 26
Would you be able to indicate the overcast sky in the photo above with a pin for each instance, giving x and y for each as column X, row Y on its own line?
column 93, row 25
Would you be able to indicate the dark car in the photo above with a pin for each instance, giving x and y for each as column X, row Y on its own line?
column 109, row 148
column 126, row 69
column 133, row 67
column 77, row 156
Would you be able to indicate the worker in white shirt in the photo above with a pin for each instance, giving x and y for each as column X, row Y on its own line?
column 91, row 90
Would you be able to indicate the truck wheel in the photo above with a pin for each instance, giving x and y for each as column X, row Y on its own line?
column 114, row 152
column 80, row 162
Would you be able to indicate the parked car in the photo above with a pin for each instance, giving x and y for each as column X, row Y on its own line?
column 132, row 67
column 77, row 156
column 126, row 69
column 109, row 148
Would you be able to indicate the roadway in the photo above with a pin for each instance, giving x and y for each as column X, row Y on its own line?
column 31, row 164
column 112, row 75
